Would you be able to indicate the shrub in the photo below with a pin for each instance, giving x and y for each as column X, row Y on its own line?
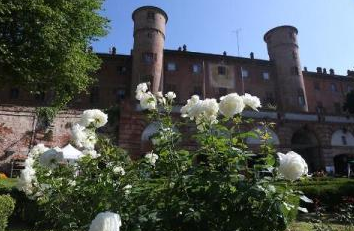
column 7, row 205
column 219, row 185
column 329, row 191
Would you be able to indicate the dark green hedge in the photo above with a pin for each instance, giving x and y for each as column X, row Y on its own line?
column 26, row 210
column 328, row 191
column 7, row 205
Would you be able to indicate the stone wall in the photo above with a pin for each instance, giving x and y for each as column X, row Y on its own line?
column 20, row 130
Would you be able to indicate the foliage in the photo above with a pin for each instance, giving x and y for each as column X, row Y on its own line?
column 44, row 46
column 349, row 102
column 46, row 114
column 7, row 205
column 219, row 185
column 329, row 191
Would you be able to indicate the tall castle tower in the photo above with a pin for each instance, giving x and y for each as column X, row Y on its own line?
column 149, row 40
column 283, row 50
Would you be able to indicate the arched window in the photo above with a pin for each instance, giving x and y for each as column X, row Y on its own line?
column 342, row 138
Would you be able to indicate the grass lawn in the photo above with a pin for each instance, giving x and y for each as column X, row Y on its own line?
column 8, row 183
column 297, row 226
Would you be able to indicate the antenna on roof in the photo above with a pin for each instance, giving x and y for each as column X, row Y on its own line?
column 237, row 32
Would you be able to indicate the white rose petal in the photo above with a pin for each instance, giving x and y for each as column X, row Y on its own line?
column 231, row 105
column 170, row 95
column 251, row 101
column 292, row 166
column 94, row 117
column 148, row 101
column 106, row 221
column 151, row 158
column 119, row 170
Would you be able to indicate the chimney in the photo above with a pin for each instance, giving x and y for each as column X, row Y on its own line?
column 184, row 47
column 319, row 70
column 350, row 73
column 324, row 71
column 252, row 55
column 224, row 53
column 305, row 69
column 331, row 71
column 179, row 48
column 114, row 50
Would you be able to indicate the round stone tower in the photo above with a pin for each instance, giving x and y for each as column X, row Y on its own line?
column 283, row 50
column 149, row 40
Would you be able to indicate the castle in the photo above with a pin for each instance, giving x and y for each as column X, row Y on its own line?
column 306, row 106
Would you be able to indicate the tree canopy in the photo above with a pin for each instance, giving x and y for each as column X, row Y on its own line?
column 44, row 46
column 349, row 103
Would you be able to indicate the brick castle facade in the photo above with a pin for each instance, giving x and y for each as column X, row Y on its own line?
column 306, row 106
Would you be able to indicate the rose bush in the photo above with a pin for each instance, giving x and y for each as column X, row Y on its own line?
column 217, row 185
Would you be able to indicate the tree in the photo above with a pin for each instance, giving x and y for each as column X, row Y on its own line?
column 349, row 103
column 44, row 46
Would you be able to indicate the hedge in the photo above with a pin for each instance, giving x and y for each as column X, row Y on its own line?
column 7, row 205
column 26, row 210
column 329, row 192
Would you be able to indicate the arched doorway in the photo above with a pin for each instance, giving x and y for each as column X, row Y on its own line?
column 341, row 164
column 306, row 144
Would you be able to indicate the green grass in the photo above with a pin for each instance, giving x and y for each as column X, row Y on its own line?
column 303, row 226
column 8, row 183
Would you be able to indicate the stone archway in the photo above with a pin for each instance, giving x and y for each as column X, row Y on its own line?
column 305, row 143
column 341, row 163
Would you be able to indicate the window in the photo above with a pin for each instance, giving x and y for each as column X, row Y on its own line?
column 146, row 78
column 269, row 99
column 244, row 73
column 334, row 87
column 294, row 70
column 171, row 66
column 197, row 68
column 121, row 70
column 344, row 140
column 149, row 35
column 149, row 57
column 301, row 97
column 350, row 88
column 294, row 55
column 316, row 85
column 222, row 91
column 120, row 94
column 14, row 93
column 151, row 15
column 337, row 108
column 94, row 95
column 319, row 107
column 197, row 90
column 221, row 70
column 266, row 75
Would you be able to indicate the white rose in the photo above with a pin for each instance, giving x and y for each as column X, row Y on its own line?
column 151, row 158
column 170, row 95
column 93, row 117
column 119, row 170
column 106, row 221
column 140, row 90
column 231, row 105
column 37, row 150
column 127, row 189
column 251, row 101
column 148, row 101
column 90, row 152
column 292, row 166
column 185, row 110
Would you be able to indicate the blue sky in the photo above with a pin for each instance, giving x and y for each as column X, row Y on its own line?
column 326, row 27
